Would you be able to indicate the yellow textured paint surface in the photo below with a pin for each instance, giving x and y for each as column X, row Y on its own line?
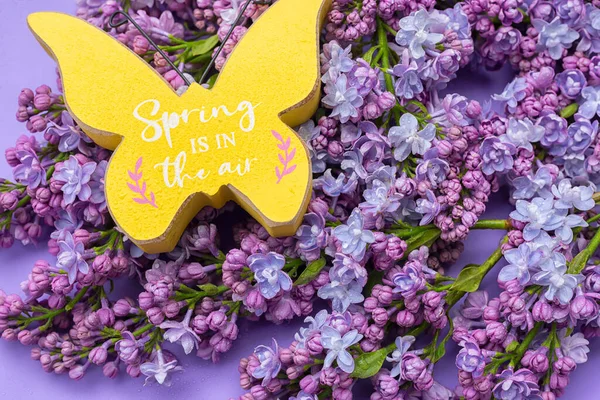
column 176, row 154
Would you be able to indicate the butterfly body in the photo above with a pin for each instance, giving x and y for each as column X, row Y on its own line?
column 176, row 154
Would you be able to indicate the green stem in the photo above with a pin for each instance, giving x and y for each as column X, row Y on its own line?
column 195, row 296
column 49, row 316
column 409, row 231
column 454, row 296
column 142, row 330
column 501, row 224
column 551, row 343
column 76, row 299
column 593, row 219
column 382, row 41
column 525, row 344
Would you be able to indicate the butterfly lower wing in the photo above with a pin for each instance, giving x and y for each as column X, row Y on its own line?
column 279, row 194
column 153, row 215
column 103, row 80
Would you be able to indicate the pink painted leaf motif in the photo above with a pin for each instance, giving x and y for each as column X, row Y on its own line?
column 134, row 177
column 277, row 136
column 139, row 187
column 286, row 157
column 291, row 155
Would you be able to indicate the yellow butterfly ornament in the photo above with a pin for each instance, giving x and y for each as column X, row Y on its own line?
column 174, row 155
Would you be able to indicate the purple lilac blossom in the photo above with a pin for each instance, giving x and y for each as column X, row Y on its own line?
column 71, row 257
column 470, row 358
column 309, row 131
column 497, row 155
column 519, row 385
column 574, row 346
column 403, row 343
column 590, row 30
column 521, row 261
column 181, row 332
column 570, row 11
column 522, row 133
column 581, row 134
column 408, row 84
column 539, row 185
column 337, row 345
column 341, row 295
column 269, row 274
column 589, row 105
column 336, row 60
column 30, row 171
column 432, row 169
column 560, row 285
column 458, row 21
column 315, row 325
column 429, row 207
column 569, row 196
column 420, row 32
column 407, row 139
column 302, row 395
column 158, row 369
column 342, row 99
column 539, row 214
column 555, row 137
column 408, row 281
column 96, row 184
column 513, row 93
column 334, row 187
column 345, row 270
column 312, row 235
column 571, row 82
column 75, row 178
column 269, row 367
column 353, row 238
column 554, row 36
column 379, row 199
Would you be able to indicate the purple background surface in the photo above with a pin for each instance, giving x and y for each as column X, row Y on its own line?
column 23, row 63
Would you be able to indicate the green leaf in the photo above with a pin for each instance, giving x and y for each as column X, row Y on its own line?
column 203, row 46
column 368, row 56
column 469, row 279
column 201, row 59
column 312, row 270
column 569, row 110
column 368, row 364
column 209, row 289
column 420, row 105
column 424, row 238
column 578, row 263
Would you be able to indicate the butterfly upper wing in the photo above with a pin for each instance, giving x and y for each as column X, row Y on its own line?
column 276, row 63
column 102, row 79
column 104, row 82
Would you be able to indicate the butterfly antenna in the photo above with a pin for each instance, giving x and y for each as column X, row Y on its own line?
column 229, row 33
column 115, row 24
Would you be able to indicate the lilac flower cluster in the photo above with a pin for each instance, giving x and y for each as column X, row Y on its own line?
column 318, row 362
column 403, row 171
